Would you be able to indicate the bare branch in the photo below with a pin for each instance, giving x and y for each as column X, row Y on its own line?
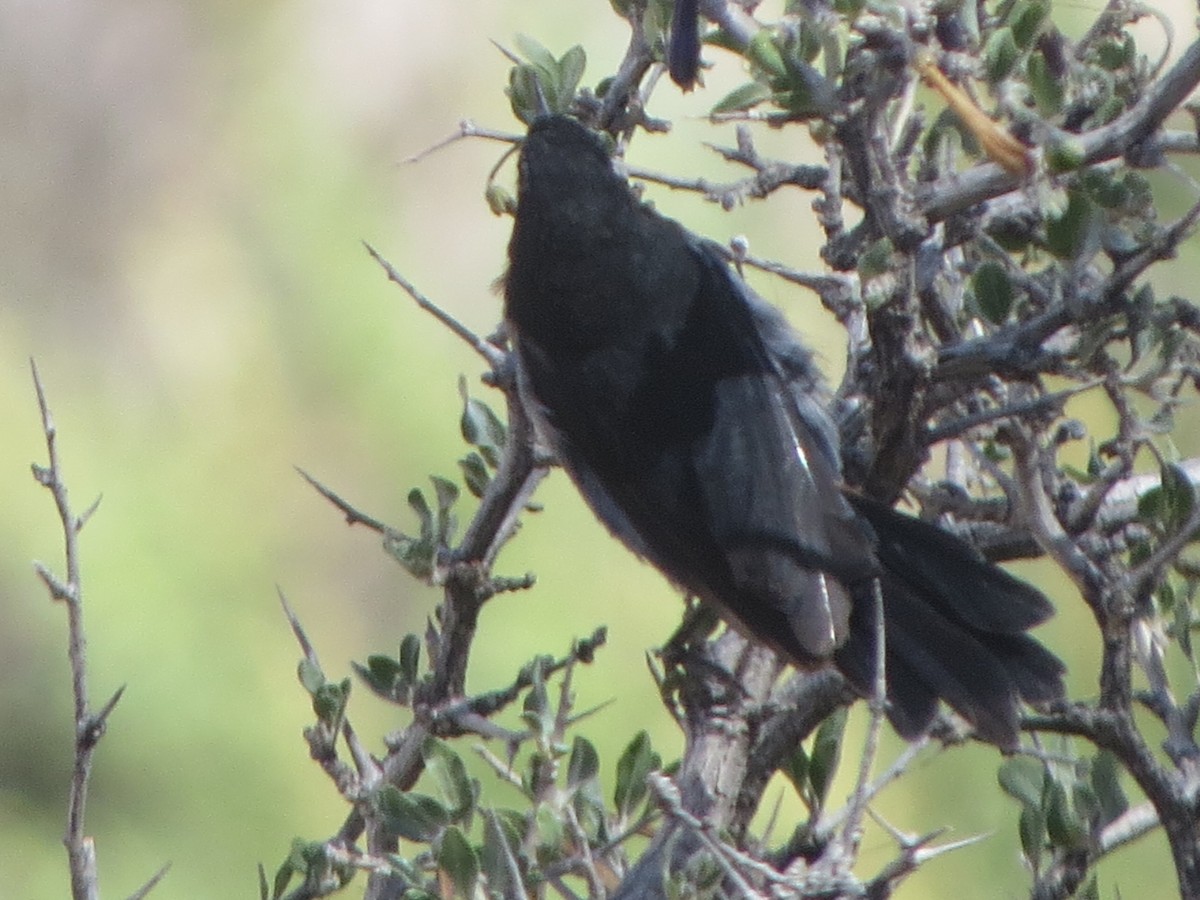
column 89, row 727
column 491, row 354
column 146, row 888
column 352, row 514
column 81, row 851
column 466, row 129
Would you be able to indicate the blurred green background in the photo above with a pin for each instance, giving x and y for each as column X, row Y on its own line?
column 183, row 190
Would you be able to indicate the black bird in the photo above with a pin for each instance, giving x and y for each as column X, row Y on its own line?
column 695, row 425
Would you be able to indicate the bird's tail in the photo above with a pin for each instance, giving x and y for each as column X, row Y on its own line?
column 954, row 629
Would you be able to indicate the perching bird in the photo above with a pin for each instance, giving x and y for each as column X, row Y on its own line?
column 695, row 425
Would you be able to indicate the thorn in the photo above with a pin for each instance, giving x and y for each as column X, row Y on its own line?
column 353, row 516
column 82, row 519
column 297, row 629
column 151, row 884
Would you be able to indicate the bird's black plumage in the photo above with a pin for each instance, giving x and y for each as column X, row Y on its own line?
column 695, row 425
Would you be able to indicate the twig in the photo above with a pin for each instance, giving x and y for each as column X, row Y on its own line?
column 899, row 766
column 1039, row 405
column 510, row 860
column 353, row 515
column 623, row 86
column 835, row 291
column 322, row 737
column 769, row 178
column 89, row 727
column 81, row 851
column 731, row 860
column 146, row 888
column 913, row 853
column 306, row 646
column 856, row 808
column 492, row 355
column 466, row 129
column 1162, row 246
column 466, row 586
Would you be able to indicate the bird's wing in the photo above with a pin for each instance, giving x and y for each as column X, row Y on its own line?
column 704, row 464
column 770, row 473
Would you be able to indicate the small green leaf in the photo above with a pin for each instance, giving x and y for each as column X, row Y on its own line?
column 583, row 781
column 447, row 495
column 849, row 9
column 1095, row 465
column 1119, row 242
column 1022, row 778
column 584, row 763
column 1032, row 830
column 419, row 505
column 636, row 763
column 826, row 754
column 410, row 657
column 412, row 816
column 501, row 849
column 795, row 769
column 993, row 291
column 1075, row 233
column 1117, row 52
column 1106, row 190
column 481, row 427
column 1011, row 233
column 536, row 709
column 450, row 774
column 536, row 775
column 500, row 200
column 311, row 676
column 382, row 673
column 543, row 81
column 1027, row 19
column 525, row 92
column 458, row 860
column 475, row 473
column 551, row 834
column 763, row 52
column 298, row 857
column 1064, row 152
column 657, row 20
column 1084, row 799
column 329, row 701
column 1140, row 197
column 417, row 556
column 283, row 877
column 1000, row 54
column 1107, row 111
column 809, row 93
column 1049, row 91
column 1064, row 826
column 742, row 98
column 1179, row 495
column 534, row 52
column 570, row 68
column 1184, row 618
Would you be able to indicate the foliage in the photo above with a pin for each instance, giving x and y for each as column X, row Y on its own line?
column 999, row 266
